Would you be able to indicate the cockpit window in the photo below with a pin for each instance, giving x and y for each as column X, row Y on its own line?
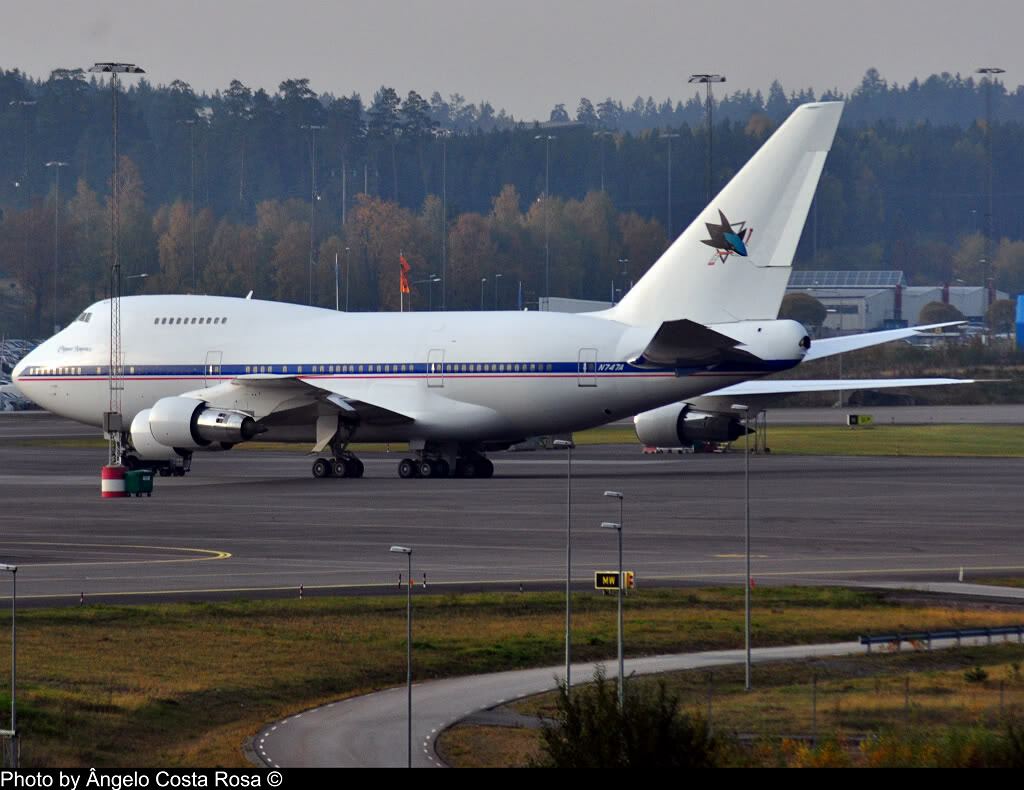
column 84, row 317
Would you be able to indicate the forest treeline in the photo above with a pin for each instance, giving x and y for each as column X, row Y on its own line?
column 268, row 184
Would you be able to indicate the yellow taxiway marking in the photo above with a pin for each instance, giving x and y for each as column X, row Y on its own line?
column 383, row 585
column 210, row 554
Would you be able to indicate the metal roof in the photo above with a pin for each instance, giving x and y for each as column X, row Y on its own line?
column 813, row 279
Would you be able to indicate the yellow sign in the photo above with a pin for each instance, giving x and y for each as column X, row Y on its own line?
column 606, row 580
column 609, row 580
column 859, row 419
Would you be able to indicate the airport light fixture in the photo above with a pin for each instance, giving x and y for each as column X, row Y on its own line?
column 115, row 372
column 746, row 521
column 496, row 278
column 444, row 134
column 56, row 234
column 601, row 134
column 547, row 138
column 618, row 528
column 670, row 136
column 989, row 72
column 568, row 563
column 482, row 281
column 708, row 79
column 313, row 128
column 408, row 642
column 13, row 732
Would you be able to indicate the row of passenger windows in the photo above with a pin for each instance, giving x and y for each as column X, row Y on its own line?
column 433, row 367
column 194, row 320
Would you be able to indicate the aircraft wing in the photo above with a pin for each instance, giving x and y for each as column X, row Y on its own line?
column 265, row 394
column 789, row 387
column 840, row 345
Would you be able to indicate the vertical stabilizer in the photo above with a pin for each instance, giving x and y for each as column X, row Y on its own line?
column 733, row 262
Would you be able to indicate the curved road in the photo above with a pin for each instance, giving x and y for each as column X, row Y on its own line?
column 370, row 731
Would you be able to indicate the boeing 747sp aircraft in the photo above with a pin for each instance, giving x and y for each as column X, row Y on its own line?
column 205, row 373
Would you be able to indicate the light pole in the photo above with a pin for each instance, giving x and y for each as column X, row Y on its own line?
column 482, row 281
column 13, row 732
column 496, row 278
column 602, row 133
column 989, row 73
column 568, row 563
column 136, row 276
column 408, row 641
column 191, row 123
column 115, row 371
column 444, row 134
column 618, row 528
column 624, row 263
column 431, row 279
column 313, row 128
column 23, row 103
column 547, row 138
column 670, row 137
column 708, row 79
column 337, row 293
column 746, row 521
column 56, row 234
column 348, row 265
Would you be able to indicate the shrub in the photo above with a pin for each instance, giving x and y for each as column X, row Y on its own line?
column 650, row 732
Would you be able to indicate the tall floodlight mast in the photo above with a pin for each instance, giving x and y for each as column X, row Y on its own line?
column 115, row 371
column 707, row 79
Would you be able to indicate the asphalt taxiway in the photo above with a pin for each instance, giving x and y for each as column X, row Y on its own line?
column 251, row 523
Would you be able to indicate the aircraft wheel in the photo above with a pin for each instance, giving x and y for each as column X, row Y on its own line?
column 321, row 468
column 406, row 469
column 165, row 471
column 443, row 468
column 341, row 468
column 483, row 468
column 355, row 467
column 428, row 469
column 178, row 471
column 130, row 462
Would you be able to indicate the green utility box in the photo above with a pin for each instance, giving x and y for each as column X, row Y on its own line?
column 139, row 482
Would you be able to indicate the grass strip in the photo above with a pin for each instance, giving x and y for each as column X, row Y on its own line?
column 996, row 441
column 185, row 684
column 844, row 698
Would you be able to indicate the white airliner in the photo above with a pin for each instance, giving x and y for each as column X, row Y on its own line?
column 206, row 372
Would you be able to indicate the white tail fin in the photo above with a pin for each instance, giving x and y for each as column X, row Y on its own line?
column 734, row 260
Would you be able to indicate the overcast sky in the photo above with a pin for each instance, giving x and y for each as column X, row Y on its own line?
column 526, row 55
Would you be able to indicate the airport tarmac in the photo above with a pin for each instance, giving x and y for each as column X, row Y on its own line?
column 252, row 523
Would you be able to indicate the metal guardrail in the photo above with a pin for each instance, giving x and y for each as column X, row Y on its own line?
column 956, row 633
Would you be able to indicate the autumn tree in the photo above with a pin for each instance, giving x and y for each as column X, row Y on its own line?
column 939, row 312
column 378, row 232
column 1001, row 316
column 89, row 251
column 643, row 241
column 802, row 307
column 470, row 258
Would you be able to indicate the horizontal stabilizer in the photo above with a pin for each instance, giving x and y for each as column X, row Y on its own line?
column 792, row 386
column 840, row 345
column 685, row 343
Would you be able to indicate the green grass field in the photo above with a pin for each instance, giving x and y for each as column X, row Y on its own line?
column 185, row 684
column 997, row 441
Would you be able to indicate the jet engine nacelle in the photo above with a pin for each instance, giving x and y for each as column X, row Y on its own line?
column 679, row 424
column 145, row 445
column 190, row 424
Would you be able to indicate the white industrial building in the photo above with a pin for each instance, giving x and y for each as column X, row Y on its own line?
column 864, row 301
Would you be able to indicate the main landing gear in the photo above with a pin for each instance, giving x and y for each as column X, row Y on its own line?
column 345, row 466
column 176, row 468
column 470, row 465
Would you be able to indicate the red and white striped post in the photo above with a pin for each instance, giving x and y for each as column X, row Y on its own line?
column 112, row 481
